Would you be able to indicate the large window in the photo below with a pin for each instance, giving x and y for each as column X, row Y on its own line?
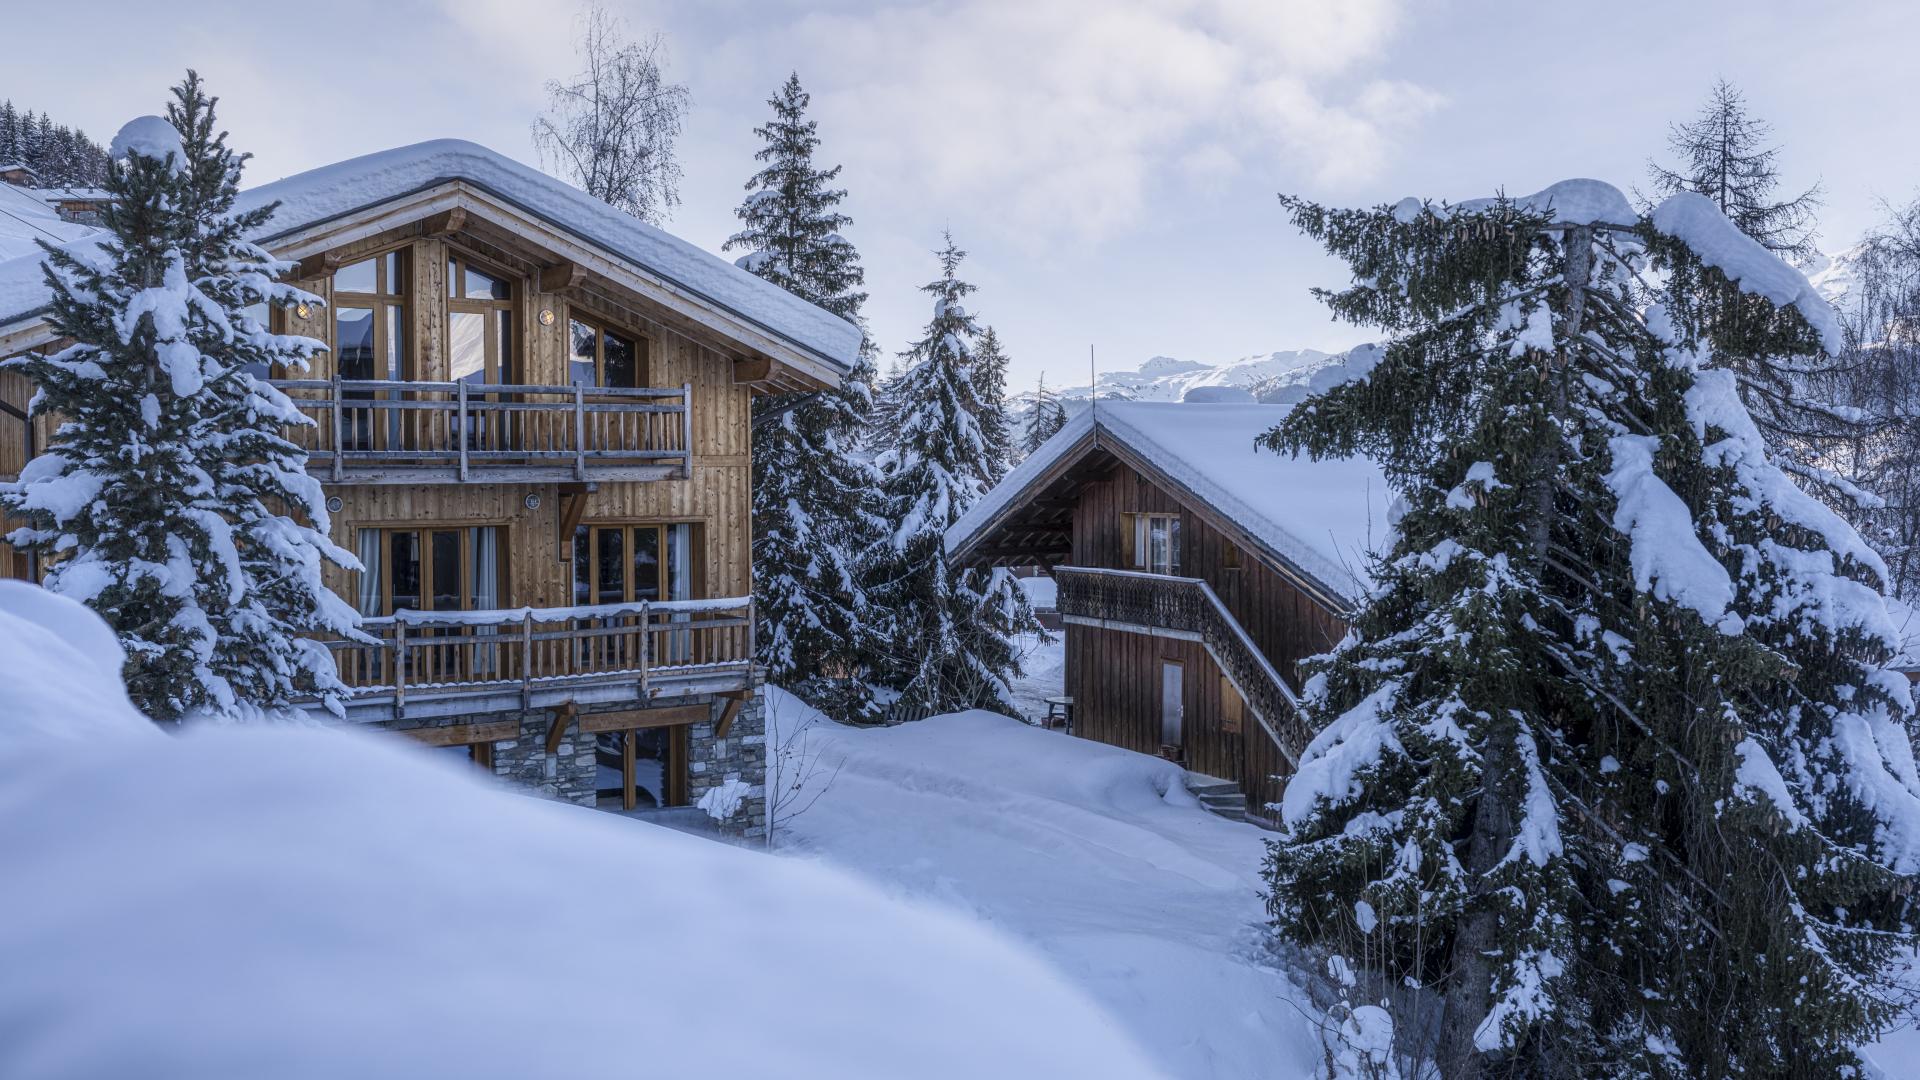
column 453, row 568
column 370, row 343
column 642, row 768
column 623, row 564
column 479, row 323
column 604, row 357
column 1151, row 542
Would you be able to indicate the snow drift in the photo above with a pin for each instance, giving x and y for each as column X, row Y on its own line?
column 294, row 902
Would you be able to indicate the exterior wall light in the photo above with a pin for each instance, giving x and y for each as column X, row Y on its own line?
column 532, row 501
column 334, row 504
column 546, row 316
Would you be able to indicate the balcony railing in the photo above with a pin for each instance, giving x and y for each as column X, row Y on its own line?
column 1188, row 608
column 377, row 431
column 428, row 663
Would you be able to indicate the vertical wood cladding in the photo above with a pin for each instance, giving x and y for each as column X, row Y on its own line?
column 1114, row 676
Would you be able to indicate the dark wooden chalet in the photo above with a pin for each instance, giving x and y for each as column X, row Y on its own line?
column 1195, row 572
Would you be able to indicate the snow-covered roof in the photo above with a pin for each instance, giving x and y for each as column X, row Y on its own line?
column 331, row 191
column 26, row 216
column 1320, row 517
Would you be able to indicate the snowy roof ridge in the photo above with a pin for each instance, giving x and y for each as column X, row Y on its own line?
column 1320, row 517
column 331, row 191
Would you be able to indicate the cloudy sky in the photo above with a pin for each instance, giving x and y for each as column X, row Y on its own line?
column 1110, row 164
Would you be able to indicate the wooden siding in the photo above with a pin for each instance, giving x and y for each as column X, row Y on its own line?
column 1286, row 624
column 1113, row 677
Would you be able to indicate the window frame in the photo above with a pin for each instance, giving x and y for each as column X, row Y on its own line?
column 642, row 348
column 423, row 532
column 1136, row 541
column 588, row 551
column 495, row 370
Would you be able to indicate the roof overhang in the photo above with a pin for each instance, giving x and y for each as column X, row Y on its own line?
column 1021, row 532
column 764, row 357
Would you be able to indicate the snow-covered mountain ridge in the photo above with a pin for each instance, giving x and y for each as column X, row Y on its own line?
column 1292, row 375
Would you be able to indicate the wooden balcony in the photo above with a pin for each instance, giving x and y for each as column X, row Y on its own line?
column 381, row 432
column 1187, row 609
column 457, row 663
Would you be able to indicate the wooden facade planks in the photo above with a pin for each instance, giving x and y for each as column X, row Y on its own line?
column 1114, row 676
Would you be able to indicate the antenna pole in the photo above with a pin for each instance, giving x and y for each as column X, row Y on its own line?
column 1093, row 382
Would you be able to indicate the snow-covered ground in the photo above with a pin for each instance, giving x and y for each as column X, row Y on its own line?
column 1044, row 670
column 286, row 901
column 1096, row 857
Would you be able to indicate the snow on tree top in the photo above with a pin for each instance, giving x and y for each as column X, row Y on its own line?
column 149, row 136
column 333, row 190
column 1321, row 516
column 1569, row 202
column 1695, row 221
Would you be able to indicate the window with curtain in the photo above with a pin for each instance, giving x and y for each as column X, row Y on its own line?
column 456, row 568
column 1152, row 542
column 480, row 342
column 370, row 343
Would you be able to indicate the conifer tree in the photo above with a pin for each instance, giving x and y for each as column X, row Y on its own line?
column 813, row 517
column 951, row 634
column 1609, row 763
column 1047, row 417
column 990, row 382
column 163, row 501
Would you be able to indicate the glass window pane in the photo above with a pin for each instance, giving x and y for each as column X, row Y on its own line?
column 1157, row 545
column 481, row 285
column 1139, row 541
column 680, row 562
column 610, row 579
column 1173, row 545
column 580, row 371
column 396, row 342
column 404, row 564
column 446, row 570
column 484, row 593
column 396, row 272
column 582, row 568
column 646, row 564
column 467, row 346
column 353, row 342
column 505, row 352
column 367, row 546
column 359, row 277
column 453, row 277
column 621, row 368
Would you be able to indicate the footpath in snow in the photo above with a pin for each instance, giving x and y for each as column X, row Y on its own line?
column 1096, row 857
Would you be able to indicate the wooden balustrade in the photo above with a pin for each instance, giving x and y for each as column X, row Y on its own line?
column 423, row 654
column 1188, row 608
column 409, row 430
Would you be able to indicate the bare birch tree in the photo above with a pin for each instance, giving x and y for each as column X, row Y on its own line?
column 612, row 127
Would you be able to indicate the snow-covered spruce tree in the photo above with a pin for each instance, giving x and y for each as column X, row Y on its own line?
column 163, row 500
column 1608, row 764
column 1046, row 417
column 990, row 383
column 950, row 634
column 813, row 516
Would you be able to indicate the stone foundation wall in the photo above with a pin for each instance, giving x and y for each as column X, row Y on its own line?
column 570, row 774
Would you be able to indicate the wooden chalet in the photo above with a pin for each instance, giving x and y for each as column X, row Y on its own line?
column 1194, row 573
column 532, row 428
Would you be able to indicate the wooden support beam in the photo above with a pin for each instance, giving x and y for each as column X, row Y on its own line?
column 562, row 716
column 319, row 265
column 464, row 734
column 628, row 797
column 734, row 699
column 564, row 275
column 758, row 369
column 444, row 222
column 573, row 504
column 630, row 719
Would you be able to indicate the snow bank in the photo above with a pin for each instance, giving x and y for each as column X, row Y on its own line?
column 318, row 195
column 1321, row 516
column 310, row 902
column 1096, row 856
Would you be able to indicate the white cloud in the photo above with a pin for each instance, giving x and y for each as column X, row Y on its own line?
column 1062, row 115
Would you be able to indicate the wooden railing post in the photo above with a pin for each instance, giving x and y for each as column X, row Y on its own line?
column 460, row 422
column 338, row 443
column 400, row 668
column 686, row 431
column 646, row 650
column 526, row 661
column 579, row 432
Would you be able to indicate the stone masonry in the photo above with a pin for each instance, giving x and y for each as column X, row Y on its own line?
column 569, row 775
